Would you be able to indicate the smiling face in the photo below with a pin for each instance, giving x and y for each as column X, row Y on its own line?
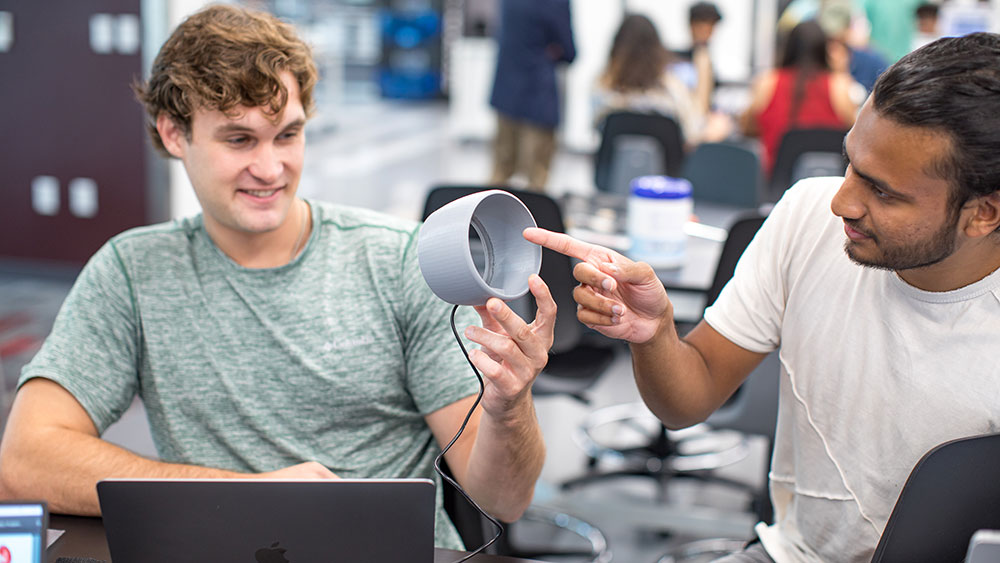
column 244, row 166
column 898, row 213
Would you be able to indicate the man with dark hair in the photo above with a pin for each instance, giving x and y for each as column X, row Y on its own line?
column 269, row 336
column 702, row 19
column 886, row 311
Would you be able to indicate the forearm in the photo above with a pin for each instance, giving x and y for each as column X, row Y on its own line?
column 705, row 80
column 63, row 468
column 674, row 380
column 506, row 461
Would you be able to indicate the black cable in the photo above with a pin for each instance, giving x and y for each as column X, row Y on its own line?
column 437, row 460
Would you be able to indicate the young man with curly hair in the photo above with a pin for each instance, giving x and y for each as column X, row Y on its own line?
column 268, row 336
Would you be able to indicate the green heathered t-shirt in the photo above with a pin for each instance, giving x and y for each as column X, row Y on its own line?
column 335, row 357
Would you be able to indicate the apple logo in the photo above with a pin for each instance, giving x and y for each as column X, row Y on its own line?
column 273, row 554
column 4, row 554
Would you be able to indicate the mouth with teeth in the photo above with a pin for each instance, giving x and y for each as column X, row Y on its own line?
column 260, row 194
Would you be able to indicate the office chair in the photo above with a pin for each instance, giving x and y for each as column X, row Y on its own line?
column 725, row 172
column 578, row 356
column 952, row 492
column 662, row 454
column 636, row 144
column 804, row 153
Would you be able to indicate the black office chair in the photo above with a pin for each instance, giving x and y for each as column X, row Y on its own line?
column 725, row 172
column 804, row 153
column 637, row 144
column 662, row 454
column 952, row 492
column 578, row 355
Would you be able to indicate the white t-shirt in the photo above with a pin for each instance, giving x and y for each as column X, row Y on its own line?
column 874, row 372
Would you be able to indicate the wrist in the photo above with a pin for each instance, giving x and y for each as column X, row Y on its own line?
column 514, row 414
column 663, row 331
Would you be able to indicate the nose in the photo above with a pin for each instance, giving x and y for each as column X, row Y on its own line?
column 846, row 203
column 266, row 165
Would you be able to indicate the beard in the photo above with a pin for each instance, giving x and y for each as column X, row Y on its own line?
column 907, row 254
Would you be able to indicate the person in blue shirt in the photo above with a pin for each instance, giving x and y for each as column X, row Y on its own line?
column 535, row 37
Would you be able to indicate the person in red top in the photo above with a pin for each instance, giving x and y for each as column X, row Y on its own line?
column 810, row 89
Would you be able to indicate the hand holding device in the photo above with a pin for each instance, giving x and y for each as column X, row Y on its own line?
column 513, row 351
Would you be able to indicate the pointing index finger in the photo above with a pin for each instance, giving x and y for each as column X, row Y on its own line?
column 559, row 242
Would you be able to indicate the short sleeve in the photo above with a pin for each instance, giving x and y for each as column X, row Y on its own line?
column 92, row 350
column 751, row 307
column 437, row 372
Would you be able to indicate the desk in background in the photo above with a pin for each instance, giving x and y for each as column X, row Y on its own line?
column 84, row 537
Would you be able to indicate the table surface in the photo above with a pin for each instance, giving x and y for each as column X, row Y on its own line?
column 85, row 537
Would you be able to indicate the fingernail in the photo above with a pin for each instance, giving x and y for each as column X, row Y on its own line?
column 617, row 310
column 493, row 306
column 612, row 268
column 607, row 284
column 616, row 319
column 468, row 332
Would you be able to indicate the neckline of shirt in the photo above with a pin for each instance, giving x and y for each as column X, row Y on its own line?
column 989, row 284
column 233, row 265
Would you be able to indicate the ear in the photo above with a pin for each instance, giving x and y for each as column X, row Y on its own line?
column 985, row 218
column 173, row 137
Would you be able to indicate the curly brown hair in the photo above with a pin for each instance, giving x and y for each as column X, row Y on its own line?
column 223, row 57
column 638, row 58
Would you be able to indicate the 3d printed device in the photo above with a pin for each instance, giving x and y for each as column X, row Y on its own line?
column 445, row 249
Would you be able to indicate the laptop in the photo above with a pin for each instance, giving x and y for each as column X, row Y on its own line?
column 23, row 528
column 268, row 521
column 984, row 547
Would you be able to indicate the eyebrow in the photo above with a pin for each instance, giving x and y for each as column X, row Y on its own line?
column 881, row 185
column 237, row 128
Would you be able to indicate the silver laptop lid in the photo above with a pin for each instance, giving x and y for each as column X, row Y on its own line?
column 268, row 521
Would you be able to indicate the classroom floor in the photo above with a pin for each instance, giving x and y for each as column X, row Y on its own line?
column 385, row 156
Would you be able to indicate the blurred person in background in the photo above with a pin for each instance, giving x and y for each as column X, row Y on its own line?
column 892, row 26
column 535, row 37
column 927, row 24
column 805, row 91
column 848, row 33
column 640, row 76
column 703, row 17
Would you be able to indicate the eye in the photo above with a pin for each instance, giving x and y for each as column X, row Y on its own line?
column 289, row 135
column 879, row 193
column 238, row 141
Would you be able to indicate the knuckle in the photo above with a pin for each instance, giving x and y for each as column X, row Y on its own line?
column 523, row 333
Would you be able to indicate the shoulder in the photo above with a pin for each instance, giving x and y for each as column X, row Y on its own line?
column 804, row 210
column 178, row 231
column 762, row 89
column 153, row 241
column 347, row 218
column 365, row 227
column 839, row 79
column 765, row 84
